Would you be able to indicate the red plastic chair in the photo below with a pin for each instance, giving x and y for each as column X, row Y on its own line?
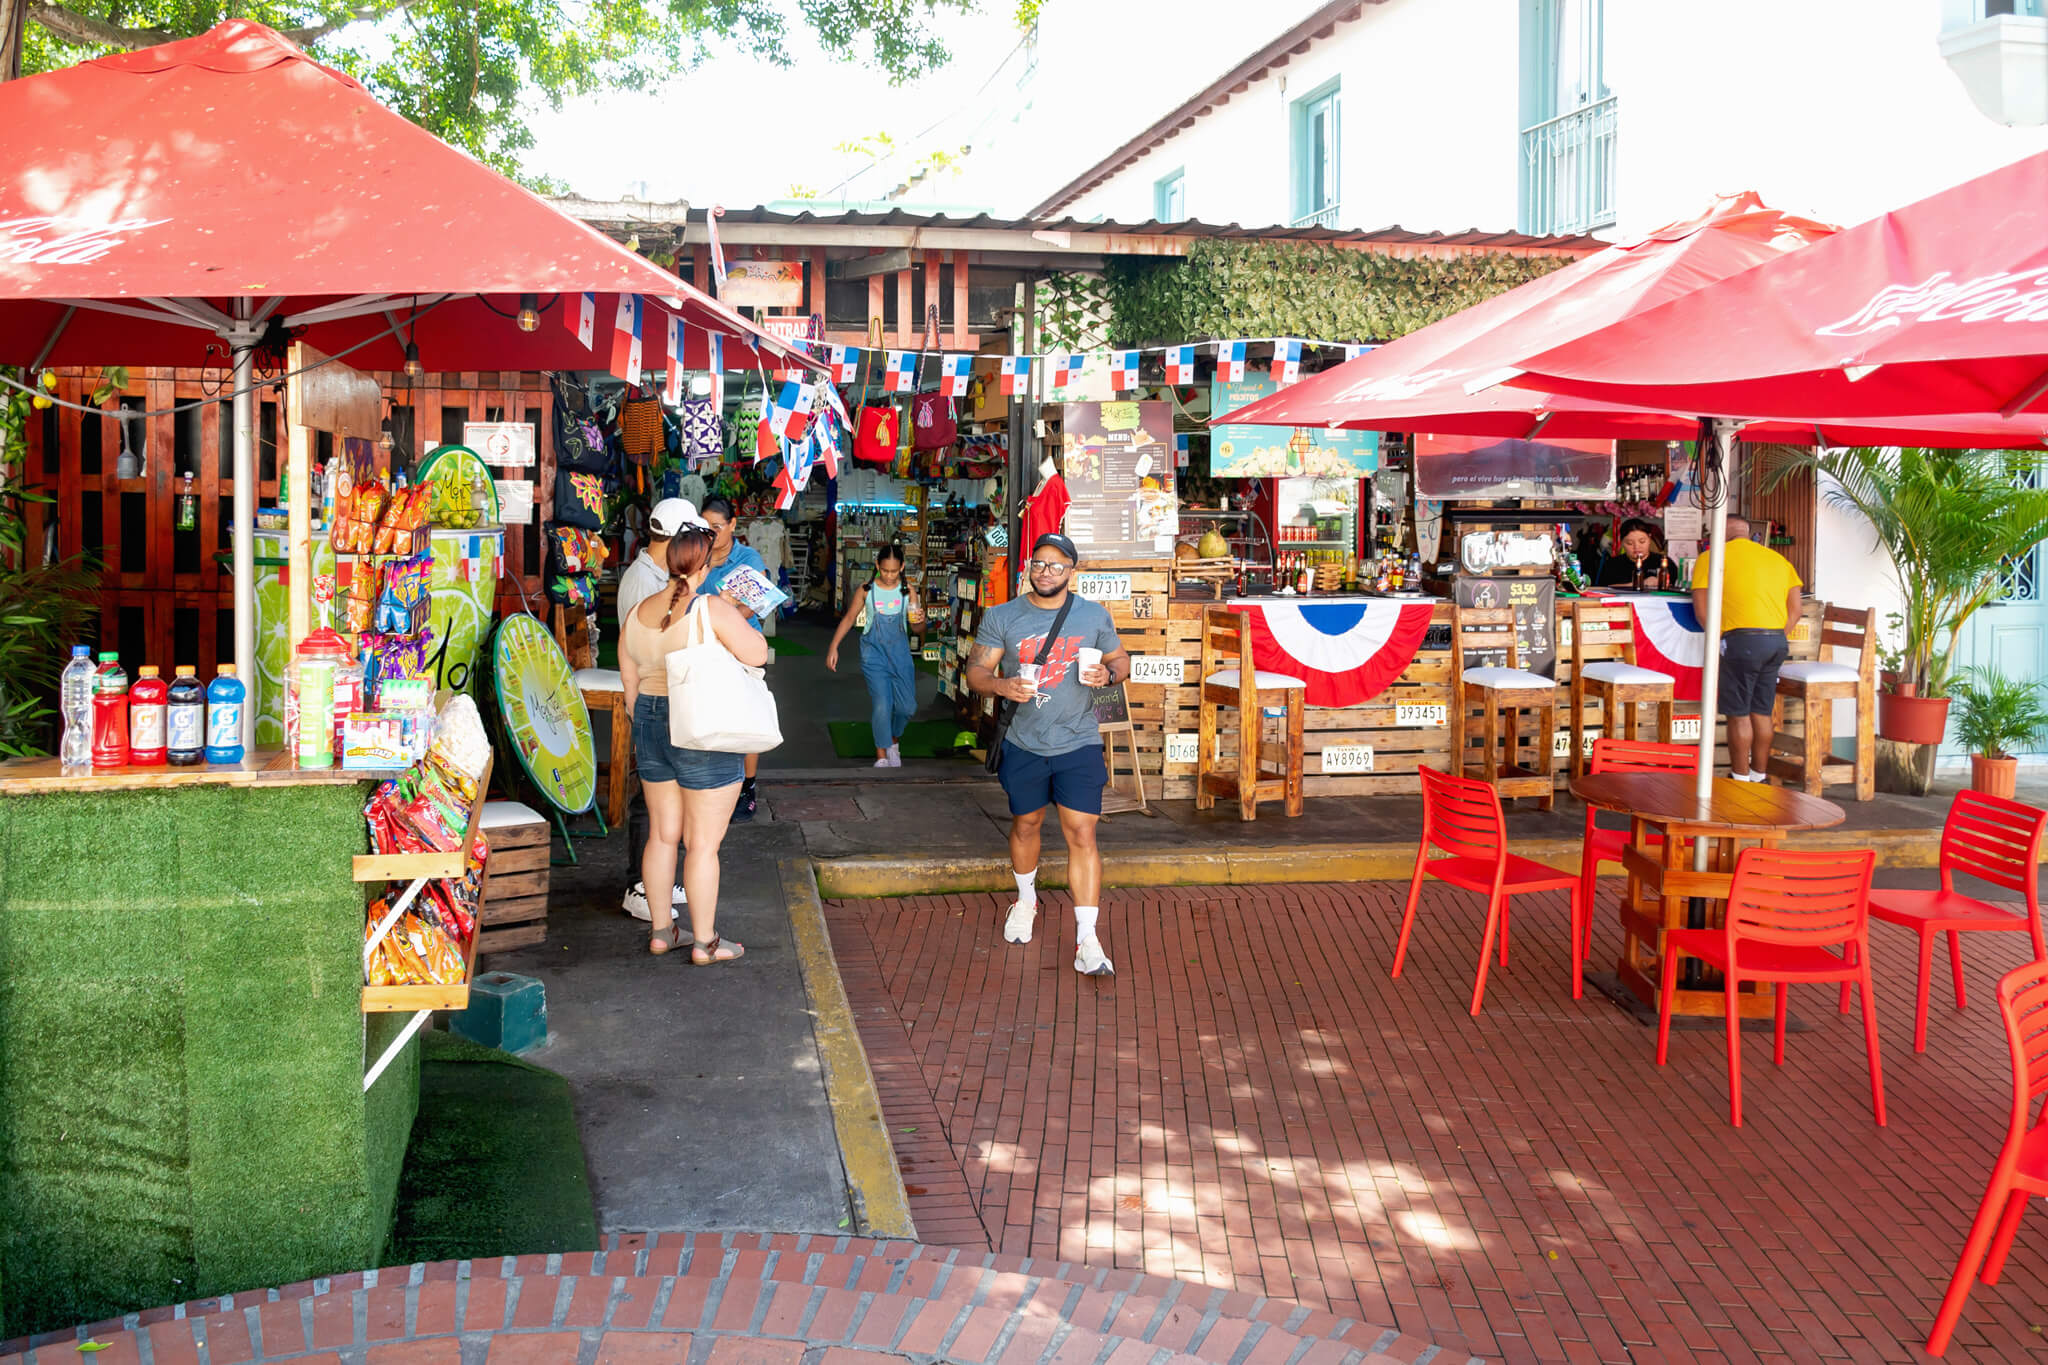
column 1606, row 845
column 1986, row 837
column 1462, row 817
column 2022, row 1169
column 1788, row 914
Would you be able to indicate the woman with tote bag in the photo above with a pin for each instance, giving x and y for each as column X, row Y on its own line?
column 690, row 792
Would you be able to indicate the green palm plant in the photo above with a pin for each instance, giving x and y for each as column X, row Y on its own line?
column 1995, row 714
column 1948, row 520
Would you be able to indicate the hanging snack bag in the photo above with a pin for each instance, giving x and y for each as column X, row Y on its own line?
column 402, row 608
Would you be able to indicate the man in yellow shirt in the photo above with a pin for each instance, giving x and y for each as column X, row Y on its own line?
column 1759, row 599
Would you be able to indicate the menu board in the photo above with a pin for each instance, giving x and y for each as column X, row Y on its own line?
column 1239, row 450
column 1118, row 463
column 1480, row 467
column 1535, row 605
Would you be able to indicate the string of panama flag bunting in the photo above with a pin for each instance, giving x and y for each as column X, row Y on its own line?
column 902, row 371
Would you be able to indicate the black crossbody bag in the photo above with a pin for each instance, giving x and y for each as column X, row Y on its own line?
column 1005, row 708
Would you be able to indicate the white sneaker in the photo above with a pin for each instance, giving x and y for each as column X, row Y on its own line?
column 1089, row 961
column 1017, row 928
column 636, row 901
column 884, row 763
column 895, row 757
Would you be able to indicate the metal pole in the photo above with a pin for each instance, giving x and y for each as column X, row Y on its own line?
column 1713, row 477
column 242, row 346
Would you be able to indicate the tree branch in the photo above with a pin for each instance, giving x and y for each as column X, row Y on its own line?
column 87, row 31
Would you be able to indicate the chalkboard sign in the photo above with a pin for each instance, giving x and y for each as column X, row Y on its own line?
column 1535, row 605
column 1112, row 707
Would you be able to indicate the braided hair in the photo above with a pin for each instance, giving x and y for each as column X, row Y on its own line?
column 689, row 550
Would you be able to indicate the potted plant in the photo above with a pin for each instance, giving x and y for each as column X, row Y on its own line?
column 1996, row 715
column 1948, row 521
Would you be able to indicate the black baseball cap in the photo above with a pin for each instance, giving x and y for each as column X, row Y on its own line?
column 1058, row 542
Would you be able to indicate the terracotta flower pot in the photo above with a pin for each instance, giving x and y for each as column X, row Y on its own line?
column 1911, row 720
column 1994, row 776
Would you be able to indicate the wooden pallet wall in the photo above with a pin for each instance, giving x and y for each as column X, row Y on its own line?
column 164, row 598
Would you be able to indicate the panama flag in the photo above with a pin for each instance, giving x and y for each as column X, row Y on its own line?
column 845, row 363
column 1354, row 350
column 1180, row 365
column 954, row 372
column 1286, row 361
column 672, row 385
column 899, row 373
column 1123, row 372
column 1016, row 374
column 626, row 355
column 1067, row 369
column 791, row 413
column 1230, row 361
column 579, row 315
column 715, row 362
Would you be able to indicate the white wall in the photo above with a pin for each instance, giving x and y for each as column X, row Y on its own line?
column 1424, row 144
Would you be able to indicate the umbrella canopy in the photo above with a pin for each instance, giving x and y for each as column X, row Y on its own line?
column 149, row 200
column 1420, row 382
column 1937, row 307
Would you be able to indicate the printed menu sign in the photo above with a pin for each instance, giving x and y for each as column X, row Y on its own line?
column 1118, row 462
column 1535, row 604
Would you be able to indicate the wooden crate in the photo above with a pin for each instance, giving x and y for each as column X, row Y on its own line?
column 515, row 893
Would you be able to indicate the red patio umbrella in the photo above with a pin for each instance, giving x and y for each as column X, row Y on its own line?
column 1937, row 307
column 1420, row 381
column 182, row 204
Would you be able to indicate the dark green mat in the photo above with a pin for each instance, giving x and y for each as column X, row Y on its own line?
column 789, row 647
column 924, row 739
column 495, row 1167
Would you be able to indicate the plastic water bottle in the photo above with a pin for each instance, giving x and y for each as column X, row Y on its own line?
column 109, row 714
column 224, row 696
column 74, row 697
column 185, row 727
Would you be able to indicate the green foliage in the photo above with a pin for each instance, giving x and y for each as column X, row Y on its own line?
column 1995, row 715
column 1073, row 312
column 1228, row 288
column 464, row 69
column 1947, row 520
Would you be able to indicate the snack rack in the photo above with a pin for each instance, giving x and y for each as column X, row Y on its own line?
column 416, row 870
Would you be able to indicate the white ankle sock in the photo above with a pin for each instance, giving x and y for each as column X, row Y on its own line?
column 1084, row 922
column 1027, row 893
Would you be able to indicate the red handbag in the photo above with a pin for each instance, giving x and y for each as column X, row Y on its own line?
column 877, row 438
column 931, row 422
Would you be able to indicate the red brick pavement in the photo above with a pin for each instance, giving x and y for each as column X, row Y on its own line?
column 1251, row 1103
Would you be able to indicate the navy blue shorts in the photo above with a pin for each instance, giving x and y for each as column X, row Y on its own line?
column 657, row 760
column 1749, row 670
column 1072, row 781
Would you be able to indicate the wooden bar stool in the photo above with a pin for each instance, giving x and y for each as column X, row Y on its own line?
column 1230, row 680
column 1497, row 688
column 1820, row 683
column 1619, row 685
column 603, row 691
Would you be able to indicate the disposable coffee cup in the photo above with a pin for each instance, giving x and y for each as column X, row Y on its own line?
column 1029, row 674
column 1090, row 657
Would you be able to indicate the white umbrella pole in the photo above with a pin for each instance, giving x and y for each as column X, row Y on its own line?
column 1710, row 672
column 241, row 345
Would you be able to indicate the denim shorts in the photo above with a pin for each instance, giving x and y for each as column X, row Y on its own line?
column 657, row 760
column 1749, row 671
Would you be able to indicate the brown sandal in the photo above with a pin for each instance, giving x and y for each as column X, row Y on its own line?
column 715, row 952
column 667, row 940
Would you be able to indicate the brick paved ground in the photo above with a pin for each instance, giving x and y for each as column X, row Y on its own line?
column 734, row 1299
column 1251, row 1103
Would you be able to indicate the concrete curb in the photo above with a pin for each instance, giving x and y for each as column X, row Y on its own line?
column 876, row 875
column 881, row 1205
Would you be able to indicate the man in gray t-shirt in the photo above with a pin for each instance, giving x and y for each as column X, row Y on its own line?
column 1052, row 755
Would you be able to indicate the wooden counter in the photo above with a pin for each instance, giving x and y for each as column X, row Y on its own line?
column 259, row 768
column 1154, row 624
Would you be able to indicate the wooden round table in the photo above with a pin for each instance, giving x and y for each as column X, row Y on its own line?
column 1662, row 879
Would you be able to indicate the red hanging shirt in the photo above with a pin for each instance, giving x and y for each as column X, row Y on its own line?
column 1044, row 513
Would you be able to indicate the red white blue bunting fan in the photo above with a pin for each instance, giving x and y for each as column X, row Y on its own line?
column 1347, row 652
column 1669, row 639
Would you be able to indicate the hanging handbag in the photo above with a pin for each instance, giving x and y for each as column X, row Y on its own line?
column 640, row 427
column 579, row 440
column 700, row 429
column 1005, row 708
column 931, row 422
column 876, row 440
column 715, row 702
column 579, row 500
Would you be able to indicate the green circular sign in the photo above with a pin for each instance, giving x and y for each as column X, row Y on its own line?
column 459, row 466
column 544, row 713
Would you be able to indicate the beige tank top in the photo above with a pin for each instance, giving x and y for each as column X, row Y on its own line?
column 649, row 648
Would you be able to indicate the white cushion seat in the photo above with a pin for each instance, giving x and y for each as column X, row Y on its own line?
column 1261, row 679
column 1817, row 670
column 1509, row 679
column 507, row 814
column 599, row 680
column 1628, row 675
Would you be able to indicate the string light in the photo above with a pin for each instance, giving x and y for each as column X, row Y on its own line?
column 529, row 313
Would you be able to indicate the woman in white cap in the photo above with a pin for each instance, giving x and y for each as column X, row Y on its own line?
column 690, row 792
column 644, row 577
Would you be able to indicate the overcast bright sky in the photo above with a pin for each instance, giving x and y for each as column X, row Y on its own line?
column 739, row 132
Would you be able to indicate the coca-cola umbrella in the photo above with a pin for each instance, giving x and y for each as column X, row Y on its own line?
column 192, row 203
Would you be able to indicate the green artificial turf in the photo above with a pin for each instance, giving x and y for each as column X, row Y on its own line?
column 922, row 739
column 790, row 647
column 182, row 1049
column 496, row 1164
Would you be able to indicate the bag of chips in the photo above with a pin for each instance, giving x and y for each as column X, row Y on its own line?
column 403, row 607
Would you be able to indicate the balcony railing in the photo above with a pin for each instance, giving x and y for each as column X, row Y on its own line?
column 1568, row 171
column 1325, row 216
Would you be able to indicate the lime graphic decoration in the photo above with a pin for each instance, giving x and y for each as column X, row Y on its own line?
column 452, row 472
column 544, row 713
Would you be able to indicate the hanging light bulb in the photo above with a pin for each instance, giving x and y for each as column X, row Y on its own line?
column 529, row 313
column 413, row 368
